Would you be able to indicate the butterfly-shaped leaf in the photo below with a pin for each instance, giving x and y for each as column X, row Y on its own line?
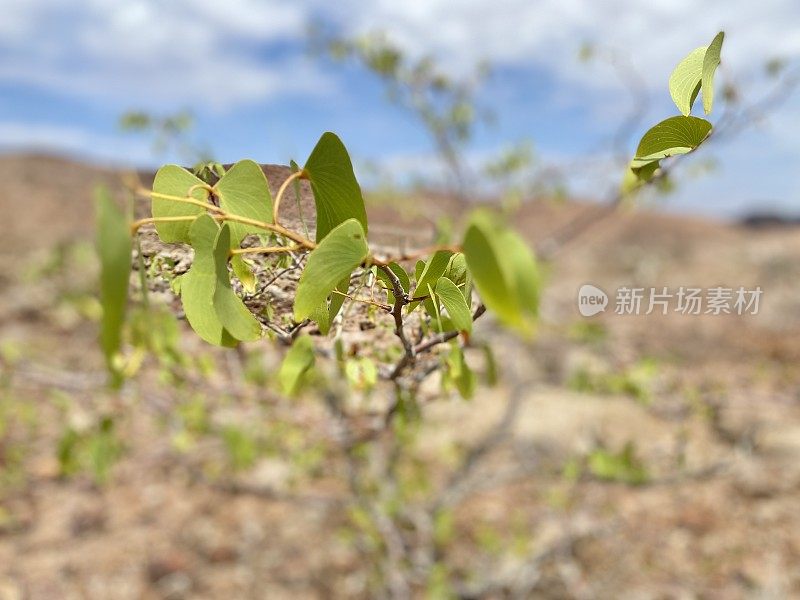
column 244, row 191
column 172, row 180
column 232, row 313
column 673, row 136
column 199, row 283
column 341, row 251
column 695, row 73
column 710, row 63
column 337, row 194
column 684, row 83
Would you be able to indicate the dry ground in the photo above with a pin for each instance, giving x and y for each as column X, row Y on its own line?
column 710, row 404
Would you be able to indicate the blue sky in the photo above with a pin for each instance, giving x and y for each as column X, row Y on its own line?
column 68, row 70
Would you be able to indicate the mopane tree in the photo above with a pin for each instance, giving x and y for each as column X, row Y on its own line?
column 308, row 282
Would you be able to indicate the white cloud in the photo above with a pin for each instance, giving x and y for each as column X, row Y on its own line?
column 544, row 36
column 153, row 54
column 548, row 33
column 164, row 55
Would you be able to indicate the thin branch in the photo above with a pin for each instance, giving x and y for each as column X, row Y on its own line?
column 266, row 249
column 282, row 190
column 400, row 300
column 279, row 229
column 380, row 305
column 188, row 199
column 225, row 216
column 441, row 338
column 283, row 272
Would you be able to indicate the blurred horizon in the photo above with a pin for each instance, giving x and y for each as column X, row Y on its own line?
column 67, row 73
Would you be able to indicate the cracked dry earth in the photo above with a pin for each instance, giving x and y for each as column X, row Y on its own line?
column 716, row 423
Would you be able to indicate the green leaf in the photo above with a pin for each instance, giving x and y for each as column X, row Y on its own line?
column 337, row 194
column 173, row 180
column 232, row 313
column 458, row 273
column 341, row 251
column 684, row 83
column 337, row 300
column 459, row 373
column 645, row 169
column 630, row 182
column 504, row 270
column 710, row 63
column 492, row 275
column 243, row 273
column 434, row 269
column 525, row 272
column 298, row 360
column 637, row 174
column 695, row 73
column 244, row 191
column 113, row 240
column 419, row 267
column 673, row 136
column 456, row 270
column 427, row 274
column 432, row 306
column 199, row 283
column 427, row 277
column 322, row 317
column 455, row 304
